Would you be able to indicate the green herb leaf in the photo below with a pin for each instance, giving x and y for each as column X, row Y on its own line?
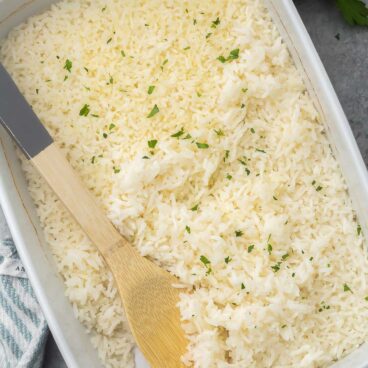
column 112, row 126
column 93, row 159
column 202, row 145
column 359, row 230
column 187, row 229
column 354, row 11
column 207, row 263
column 68, row 65
column 229, row 177
column 195, row 208
column 269, row 248
column 208, row 35
column 259, row 150
column 285, row 256
column 150, row 90
column 250, row 248
column 276, row 267
column 152, row 143
column 347, row 288
column 219, row 132
column 84, row 111
column 215, row 23
column 194, row 21
column 105, row 135
column 227, row 152
column 153, row 112
column 275, row 198
column 244, row 90
column 116, row 170
column 228, row 259
column 186, row 48
column 238, row 233
column 221, row 59
column 122, row 53
column 109, row 40
column 178, row 134
column 242, row 286
column 234, row 54
column 252, row 130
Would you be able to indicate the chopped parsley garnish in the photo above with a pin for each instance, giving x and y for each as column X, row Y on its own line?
column 152, row 143
column 247, row 171
column 188, row 136
column 199, row 94
column 194, row 21
column 104, row 135
column 269, row 248
column 250, row 248
column 207, row 263
column 238, row 233
column 311, row 259
column 244, row 90
column 319, row 188
column 208, row 35
column 111, row 80
column 219, row 132
column 153, row 112
column 313, row 182
column 93, row 159
column 116, row 170
column 145, row 158
column 112, row 126
column 84, row 111
column 103, row 9
column 242, row 286
column 359, row 230
column 293, row 274
column 122, row 53
column 228, row 259
column 347, row 288
column 259, row 150
column 109, row 40
column 86, row 69
column 229, row 177
column 95, row 115
column 178, row 134
column 354, row 11
column 285, row 256
column 65, row 78
column 150, row 90
column 186, row 48
column 252, row 130
column 283, row 326
column 68, row 65
column 215, row 23
column 202, row 145
column 275, row 198
column 37, row 90
column 221, row 59
column 195, row 208
column 227, row 152
column 187, row 229
column 276, row 267
column 234, row 54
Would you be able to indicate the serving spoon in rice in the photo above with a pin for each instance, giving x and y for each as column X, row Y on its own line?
column 147, row 292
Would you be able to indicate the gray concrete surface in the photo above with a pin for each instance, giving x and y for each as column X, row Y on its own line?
column 346, row 61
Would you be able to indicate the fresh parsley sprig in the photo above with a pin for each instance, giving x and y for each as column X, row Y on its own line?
column 354, row 11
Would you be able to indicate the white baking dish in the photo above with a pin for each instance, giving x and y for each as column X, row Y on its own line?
column 70, row 336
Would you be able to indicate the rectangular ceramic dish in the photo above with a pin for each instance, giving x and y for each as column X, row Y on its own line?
column 70, row 336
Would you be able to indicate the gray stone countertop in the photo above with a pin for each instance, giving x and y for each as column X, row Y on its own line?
column 346, row 61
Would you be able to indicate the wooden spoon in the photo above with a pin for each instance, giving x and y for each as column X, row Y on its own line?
column 149, row 298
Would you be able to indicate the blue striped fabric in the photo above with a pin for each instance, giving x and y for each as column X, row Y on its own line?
column 23, row 329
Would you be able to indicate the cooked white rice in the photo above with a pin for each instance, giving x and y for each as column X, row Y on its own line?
column 250, row 211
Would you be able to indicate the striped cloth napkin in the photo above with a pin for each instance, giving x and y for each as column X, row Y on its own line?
column 23, row 329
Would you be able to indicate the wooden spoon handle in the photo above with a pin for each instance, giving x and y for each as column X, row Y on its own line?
column 61, row 177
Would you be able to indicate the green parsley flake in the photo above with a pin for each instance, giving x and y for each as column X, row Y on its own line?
column 215, row 23
column 112, row 126
column 84, row 111
column 229, row 177
column 37, row 90
column 150, row 90
column 221, row 59
column 269, row 248
column 186, row 48
column 109, row 40
column 122, row 53
column 116, row 170
column 207, row 263
column 252, row 130
column 68, row 65
column 178, row 134
column 86, row 69
column 152, row 143
column 103, row 9
column 250, row 248
column 65, row 78
column 238, row 233
column 111, row 80
column 202, row 145
column 313, row 182
column 242, row 286
column 194, row 21
column 227, row 152
column 276, row 267
column 283, row 326
column 319, row 188
column 208, row 35
column 347, row 288
column 95, row 115
column 259, row 150
column 285, row 256
column 93, row 159
column 359, row 230
column 219, row 132
column 195, row 208
column 228, row 259
column 275, row 198
column 104, row 135
column 234, row 54
column 187, row 229
column 153, row 112
column 244, row 90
